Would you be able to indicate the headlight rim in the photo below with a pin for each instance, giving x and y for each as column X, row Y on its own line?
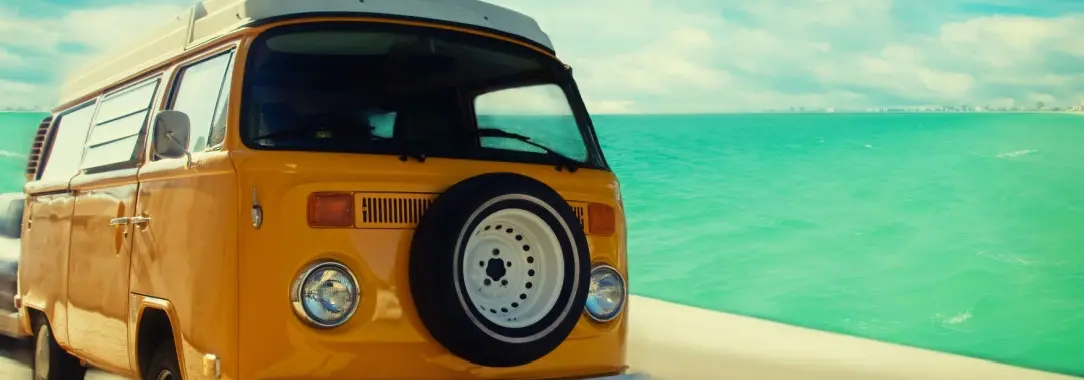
column 624, row 296
column 299, row 282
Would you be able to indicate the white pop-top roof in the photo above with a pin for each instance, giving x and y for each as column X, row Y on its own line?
column 210, row 19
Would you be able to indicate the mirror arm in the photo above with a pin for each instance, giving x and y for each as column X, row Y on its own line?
column 187, row 155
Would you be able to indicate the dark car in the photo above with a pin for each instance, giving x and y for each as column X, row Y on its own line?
column 11, row 223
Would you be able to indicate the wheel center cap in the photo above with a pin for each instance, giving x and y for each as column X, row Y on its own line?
column 495, row 269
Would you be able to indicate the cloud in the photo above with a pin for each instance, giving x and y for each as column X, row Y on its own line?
column 38, row 50
column 18, row 94
column 9, row 59
column 815, row 53
column 662, row 56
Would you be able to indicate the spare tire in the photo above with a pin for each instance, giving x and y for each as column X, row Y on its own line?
column 499, row 269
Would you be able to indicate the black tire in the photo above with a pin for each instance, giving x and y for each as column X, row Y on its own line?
column 164, row 363
column 436, row 257
column 50, row 361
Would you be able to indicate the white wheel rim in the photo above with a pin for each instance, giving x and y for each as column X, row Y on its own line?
column 513, row 268
column 41, row 355
column 165, row 374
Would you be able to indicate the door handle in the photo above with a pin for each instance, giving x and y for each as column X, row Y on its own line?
column 118, row 221
column 139, row 220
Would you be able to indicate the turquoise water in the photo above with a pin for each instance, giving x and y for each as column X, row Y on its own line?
column 955, row 232
column 16, row 133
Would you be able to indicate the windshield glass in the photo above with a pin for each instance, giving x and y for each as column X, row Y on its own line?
column 391, row 89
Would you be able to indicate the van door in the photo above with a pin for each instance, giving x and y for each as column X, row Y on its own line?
column 43, row 272
column 186, row 253
column 105, row 196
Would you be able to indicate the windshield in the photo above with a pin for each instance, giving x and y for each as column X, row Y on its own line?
column 399, row 90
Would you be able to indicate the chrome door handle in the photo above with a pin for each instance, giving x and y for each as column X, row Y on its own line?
column 137, row 220
column 118, row 221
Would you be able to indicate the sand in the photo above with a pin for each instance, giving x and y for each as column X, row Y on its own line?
column 671, row 341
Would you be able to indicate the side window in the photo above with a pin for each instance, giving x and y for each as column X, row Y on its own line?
column 68, row 138
column 202, row 92
column 118, row 125
column 538, row 112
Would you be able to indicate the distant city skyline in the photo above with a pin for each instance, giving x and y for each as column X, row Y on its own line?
column 1038, row 106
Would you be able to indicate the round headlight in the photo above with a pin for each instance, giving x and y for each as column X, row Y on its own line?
column 325, row 294
column 606, row 295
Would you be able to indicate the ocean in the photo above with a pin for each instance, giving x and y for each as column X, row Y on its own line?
column 955, row 232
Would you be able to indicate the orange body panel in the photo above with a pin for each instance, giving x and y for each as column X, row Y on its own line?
column 187, row 253
column 98, row 268
column 225, row 284
column 385, row 337
column 43, row 266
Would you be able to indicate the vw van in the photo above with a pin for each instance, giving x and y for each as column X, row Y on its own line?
column 325, row 189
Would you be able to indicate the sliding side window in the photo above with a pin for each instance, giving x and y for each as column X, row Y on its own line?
column 69, row 134
column 118, row 127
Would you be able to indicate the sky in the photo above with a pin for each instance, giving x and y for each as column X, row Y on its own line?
column 689, row 56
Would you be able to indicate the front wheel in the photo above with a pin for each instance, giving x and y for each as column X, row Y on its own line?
column 50, row 361
column 164, row 365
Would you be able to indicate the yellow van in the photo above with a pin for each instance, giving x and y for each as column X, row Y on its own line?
column 325, row 189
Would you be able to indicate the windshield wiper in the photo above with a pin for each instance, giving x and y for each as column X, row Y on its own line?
column 562, row 160
column 407, row 152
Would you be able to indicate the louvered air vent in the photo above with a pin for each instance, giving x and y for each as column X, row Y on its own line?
column 377, row 210
column 388, row 210
column 37, row 149
column 581, row 213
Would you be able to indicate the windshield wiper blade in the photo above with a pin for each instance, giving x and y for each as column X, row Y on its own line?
column 408, row 151
column 562, row 160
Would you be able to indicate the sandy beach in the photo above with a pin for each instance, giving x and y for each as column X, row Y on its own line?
column 671, row 341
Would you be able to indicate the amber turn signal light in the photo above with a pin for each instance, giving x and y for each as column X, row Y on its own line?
column 331, row 210
column 600, row 219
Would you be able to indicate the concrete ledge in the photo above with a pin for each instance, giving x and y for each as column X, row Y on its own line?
column 672, row 341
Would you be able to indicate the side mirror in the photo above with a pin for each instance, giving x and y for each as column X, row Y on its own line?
column 171, row 133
